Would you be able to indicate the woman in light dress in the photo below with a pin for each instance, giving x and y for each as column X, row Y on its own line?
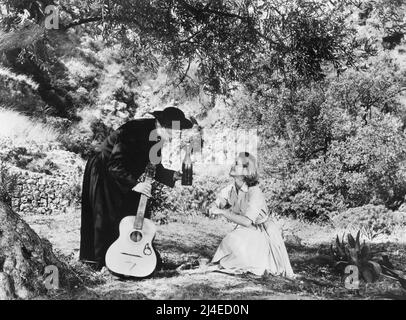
column 256, row 244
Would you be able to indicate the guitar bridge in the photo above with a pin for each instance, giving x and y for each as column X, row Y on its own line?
column 147, row 250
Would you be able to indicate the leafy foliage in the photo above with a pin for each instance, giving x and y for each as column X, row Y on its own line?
column 85, row 141
column 170, row 204
column 371, row 220
column 23, row 158
column 333, row 144
column 230, row 41
column 18, row 92
column 8, row 184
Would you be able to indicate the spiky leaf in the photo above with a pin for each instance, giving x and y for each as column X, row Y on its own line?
column 368, row 275
column 357, row 241
column 340, row 249
column 376, row 267
column 338, row 244
column 365, row 253
column 347, row 254
column 351, row 240
column 353, row 254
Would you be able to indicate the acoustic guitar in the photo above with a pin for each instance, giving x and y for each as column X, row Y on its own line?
column 132, row 254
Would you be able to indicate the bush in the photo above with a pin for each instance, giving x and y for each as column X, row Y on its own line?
column 330, row 145
column 77, row 143
column 8, row 184
column 75, row 192
column 19, row 92
column 370, row 219
column 83, row 141
column 302, row 191
column 24, row 159
column 370, row 165
column 365, row 168
column 305, row 199
column 45, row 166
column 168, row 204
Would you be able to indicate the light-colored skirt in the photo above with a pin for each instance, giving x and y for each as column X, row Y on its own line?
column 257, row 249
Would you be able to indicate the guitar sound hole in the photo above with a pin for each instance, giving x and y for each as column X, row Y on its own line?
column 136, row 236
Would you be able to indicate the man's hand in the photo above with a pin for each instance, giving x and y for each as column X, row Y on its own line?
column 144, row 188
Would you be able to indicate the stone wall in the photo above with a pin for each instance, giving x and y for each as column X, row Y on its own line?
column 48, row 179
column 42, row 194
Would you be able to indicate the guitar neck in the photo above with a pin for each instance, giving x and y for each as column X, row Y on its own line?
column 139, row 219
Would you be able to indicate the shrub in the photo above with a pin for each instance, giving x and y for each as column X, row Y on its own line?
column 307, row 192
column 371, row 163
column 77, row 143
column 25, row 159
column 8, row 184
column 168, row 204
column 75, row 192
column 338, row 143
column 100, row 131
column 82, row 141
column 366, row 167
column 19, row 92
column 46, row 166
column 370, row 219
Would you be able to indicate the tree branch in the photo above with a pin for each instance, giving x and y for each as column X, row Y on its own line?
column 82, row 21
column 196, row 11
column 186, row 72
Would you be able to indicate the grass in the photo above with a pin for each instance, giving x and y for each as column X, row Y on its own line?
column 20, row 129
column 7, row 73
column 189, row 239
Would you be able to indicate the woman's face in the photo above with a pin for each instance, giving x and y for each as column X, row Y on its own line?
column 238, row 170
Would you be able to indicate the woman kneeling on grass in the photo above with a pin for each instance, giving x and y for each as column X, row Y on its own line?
column 256, row 244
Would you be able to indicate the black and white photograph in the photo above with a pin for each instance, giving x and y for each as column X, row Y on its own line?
column 218, row 151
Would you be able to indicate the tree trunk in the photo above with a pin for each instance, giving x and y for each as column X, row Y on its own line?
column 24, row 257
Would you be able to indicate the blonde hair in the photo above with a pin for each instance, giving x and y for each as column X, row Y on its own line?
column 250, row 169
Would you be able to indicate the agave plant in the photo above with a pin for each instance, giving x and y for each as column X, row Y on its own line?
column 356, row 254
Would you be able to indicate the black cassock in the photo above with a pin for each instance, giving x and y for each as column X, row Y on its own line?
column 109, row 177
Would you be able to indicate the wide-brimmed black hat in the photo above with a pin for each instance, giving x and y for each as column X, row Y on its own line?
column 167, row 116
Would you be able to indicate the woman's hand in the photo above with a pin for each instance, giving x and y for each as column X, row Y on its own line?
column 214, row 211
column 144, row 188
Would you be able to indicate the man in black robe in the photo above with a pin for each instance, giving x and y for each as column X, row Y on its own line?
column 110, row 185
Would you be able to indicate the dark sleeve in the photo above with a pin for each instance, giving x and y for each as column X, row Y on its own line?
column 119, row 168
column 164, row 176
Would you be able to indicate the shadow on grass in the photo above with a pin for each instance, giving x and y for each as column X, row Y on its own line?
column 319, row 277
column 198, row 290
column 202, row 244
column 110, row 294
column 396, row 295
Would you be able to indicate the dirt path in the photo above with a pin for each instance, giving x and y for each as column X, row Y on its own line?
column 179, row 243
column 204, row 286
